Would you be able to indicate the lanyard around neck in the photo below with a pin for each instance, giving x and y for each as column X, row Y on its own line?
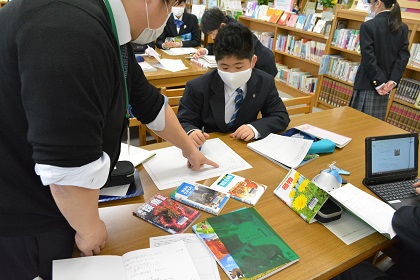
column 114, row 30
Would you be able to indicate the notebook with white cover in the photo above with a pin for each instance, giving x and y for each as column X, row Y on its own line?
column 339, row 140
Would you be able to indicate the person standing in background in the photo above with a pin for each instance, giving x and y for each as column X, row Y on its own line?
column 64, row 94
column 384, row 50
column 181, row 29
column 213, row 20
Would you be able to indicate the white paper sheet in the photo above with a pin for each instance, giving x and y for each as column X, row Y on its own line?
column 338, row 139
column 173, row 65
column 180, row 51
column 136, row 155
column 204, row 262
column 115, row 191
column 169, row 169
column 349, row 228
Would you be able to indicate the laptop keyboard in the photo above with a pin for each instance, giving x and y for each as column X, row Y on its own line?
column 395, row 191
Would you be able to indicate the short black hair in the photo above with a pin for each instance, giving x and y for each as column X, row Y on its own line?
column 233, row 39
column 211, row 20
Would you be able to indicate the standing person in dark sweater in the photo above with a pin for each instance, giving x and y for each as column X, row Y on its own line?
column 182, row 25
column 62, row 114
column 384, row 49
column 213, row 19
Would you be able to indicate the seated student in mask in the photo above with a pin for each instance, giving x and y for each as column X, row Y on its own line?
column 181, row 29
column 229, row 98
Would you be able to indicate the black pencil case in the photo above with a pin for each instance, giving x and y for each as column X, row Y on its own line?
column 123, row 174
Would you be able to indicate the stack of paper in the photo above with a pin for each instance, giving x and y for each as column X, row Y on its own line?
column 180, row 51
column 338, row 139
column 173, row 65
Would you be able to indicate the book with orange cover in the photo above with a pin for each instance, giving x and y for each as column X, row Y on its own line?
column 269, row 14
column 276, row 16
column 284, row 18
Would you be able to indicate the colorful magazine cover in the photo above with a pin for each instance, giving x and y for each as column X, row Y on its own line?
column 201, row 197
column 244, row 245
column 239, row 188
column 167, row 214
column 301, row 194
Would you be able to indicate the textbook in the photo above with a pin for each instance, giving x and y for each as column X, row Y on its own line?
column 167, row 214
column 245, row 245
column 201, row 197
column 144, row 264
column 339, row 140
column 288, row 152
column 302, row 195
column 239, row 188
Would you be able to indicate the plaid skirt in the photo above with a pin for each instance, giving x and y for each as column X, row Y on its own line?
column 370, row 102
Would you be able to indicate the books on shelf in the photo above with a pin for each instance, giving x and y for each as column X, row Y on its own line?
column 301, row 47
column 339, row 140
column 276, row 16
column 262, row 11
column 319, row 26
column 335, row 93
column 151, row 263
column 284, row 18
column 266, row 38
column 301, row 195
column 288, row 152
column 167, row 214
column 245, row 245
column 408, row 90
column 348, row 39
column 300, row 21
column 201, row 197
column 239, row 188
column 404, row 117
column 337, row 67
column 250, row 8
column 414, row 55
column 292, row 20
column 269, row 14
column 296, row 78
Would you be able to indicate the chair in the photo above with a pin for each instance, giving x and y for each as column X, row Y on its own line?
column 174, row 96
column 299, row 105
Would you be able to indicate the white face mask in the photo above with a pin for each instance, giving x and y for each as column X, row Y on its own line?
column 235, row 79
column 148, row 35
column 177, row 11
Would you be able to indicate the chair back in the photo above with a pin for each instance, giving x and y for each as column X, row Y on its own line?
column 174, row 96
column 299, row 105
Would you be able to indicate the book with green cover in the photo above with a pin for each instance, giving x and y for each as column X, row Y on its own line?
column 302, row 195
column 245, row 245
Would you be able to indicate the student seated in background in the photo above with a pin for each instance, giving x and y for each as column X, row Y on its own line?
column 181, row 29
column 230, row 97
column 214, row 20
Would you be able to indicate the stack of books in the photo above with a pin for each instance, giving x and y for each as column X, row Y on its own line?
column 335, row 93
column 408, row 91
column 404, row 117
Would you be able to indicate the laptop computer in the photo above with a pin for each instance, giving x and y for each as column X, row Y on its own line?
column 392, row 168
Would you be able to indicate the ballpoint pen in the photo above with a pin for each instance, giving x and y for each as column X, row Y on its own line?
column 202, row 131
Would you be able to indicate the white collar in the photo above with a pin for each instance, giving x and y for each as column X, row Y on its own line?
column 230, row 91
column 121, row 21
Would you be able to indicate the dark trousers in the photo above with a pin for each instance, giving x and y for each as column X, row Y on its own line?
column 26, row 257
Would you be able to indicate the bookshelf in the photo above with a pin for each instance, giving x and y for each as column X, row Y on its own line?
column 283, row 57
column 399, row 112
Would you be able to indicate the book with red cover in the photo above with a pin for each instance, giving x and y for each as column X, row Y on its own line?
column 284, row 18
column 167, row 214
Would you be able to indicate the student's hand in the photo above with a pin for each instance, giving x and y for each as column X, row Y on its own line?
column 196, row 160
column 198, row 137
column 417, row 186
column 92, row 241
column 243, row 132
column 169, row 45
column 199, row 52
column 390, row 85
column 382, row 90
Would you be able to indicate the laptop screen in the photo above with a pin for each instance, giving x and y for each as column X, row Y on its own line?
column 392, row 157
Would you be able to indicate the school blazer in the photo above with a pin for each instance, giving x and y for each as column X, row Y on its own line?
column 203, row 104
column 384, row 54
column 190, row 25
column 265, row 57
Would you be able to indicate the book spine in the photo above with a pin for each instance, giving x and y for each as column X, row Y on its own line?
column 195, row 205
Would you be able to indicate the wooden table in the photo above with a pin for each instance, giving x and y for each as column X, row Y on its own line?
column 322, row 254
column 164, row 78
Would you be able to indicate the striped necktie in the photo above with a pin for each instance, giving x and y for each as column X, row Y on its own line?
column 124, row 55
column 239, row 99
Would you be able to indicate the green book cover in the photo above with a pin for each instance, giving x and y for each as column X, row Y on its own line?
column 301, row 194
column 245, row 245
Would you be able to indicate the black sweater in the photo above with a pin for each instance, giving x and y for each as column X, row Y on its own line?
column 62, row 101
